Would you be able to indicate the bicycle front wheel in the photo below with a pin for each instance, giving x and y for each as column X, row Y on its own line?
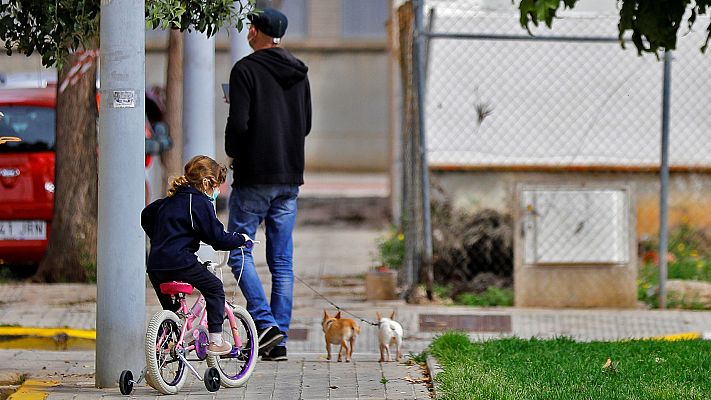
column 236, row 368
column 165, row 371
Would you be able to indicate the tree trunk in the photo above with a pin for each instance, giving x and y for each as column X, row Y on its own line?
column 71, row 253
column 173, row 158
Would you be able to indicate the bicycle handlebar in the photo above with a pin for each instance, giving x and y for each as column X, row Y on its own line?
column 223, row 256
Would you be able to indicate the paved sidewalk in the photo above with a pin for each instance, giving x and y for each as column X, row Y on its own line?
column 332, row 259
column 73, row 306
column 304, row 376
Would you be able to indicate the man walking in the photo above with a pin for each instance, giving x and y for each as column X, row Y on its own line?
column 270, row 116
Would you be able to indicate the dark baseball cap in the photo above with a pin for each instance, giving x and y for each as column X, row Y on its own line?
column 269, row 21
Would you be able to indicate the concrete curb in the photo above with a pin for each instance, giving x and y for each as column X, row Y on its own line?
column 684, row 336
column 680, row 336
column 433, row 368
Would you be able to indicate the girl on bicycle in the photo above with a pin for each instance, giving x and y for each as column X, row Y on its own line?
column 175, row 225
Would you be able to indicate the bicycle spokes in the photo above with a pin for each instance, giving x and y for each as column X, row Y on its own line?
column 170, row 366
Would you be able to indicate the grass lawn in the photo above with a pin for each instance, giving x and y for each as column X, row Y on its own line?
column 565, row 369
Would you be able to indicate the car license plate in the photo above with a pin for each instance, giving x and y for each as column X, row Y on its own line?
column 23, row 230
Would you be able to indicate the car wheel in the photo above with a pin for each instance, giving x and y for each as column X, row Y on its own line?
column 22, row 271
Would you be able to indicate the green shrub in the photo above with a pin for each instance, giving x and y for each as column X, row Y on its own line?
column 391, row 248
column 491, row 297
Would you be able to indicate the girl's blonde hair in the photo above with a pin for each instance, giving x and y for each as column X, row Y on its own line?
column 196, row 171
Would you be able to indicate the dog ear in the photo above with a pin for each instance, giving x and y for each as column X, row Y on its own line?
column 392, row 316
column 378, row 316
column 325, row 314
column 338, row 315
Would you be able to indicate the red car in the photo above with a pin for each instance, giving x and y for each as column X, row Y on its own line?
column 27, row 143
column 26, row 172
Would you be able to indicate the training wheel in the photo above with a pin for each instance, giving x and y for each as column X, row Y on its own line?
column 126, row 382
column 212, row 379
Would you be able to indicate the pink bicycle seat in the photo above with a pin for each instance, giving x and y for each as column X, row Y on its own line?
column 173, row 288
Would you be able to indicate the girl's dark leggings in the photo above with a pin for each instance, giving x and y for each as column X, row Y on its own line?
column 203, row 280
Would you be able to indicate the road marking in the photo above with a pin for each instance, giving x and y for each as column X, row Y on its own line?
column 33, row 390
column 47, row 332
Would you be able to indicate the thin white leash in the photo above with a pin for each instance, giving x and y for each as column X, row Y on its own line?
column 217, row 269
column 234, row 292
column 339, row 308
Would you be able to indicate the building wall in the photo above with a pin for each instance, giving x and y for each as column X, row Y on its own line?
column 350, row 108
column 689, row 193
column 344, row 44
column 348, row 70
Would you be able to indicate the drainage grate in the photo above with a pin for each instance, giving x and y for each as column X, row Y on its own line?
column 468, row 323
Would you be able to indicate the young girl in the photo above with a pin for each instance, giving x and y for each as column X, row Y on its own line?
column 176, row 225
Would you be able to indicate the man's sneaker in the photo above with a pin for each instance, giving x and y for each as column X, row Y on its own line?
column 217, row 350
column 268, row 338
column 278, row 353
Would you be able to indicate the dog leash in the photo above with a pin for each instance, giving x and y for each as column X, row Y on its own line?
column 335, row 305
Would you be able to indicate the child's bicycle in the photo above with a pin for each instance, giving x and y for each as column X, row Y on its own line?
column 171, row 338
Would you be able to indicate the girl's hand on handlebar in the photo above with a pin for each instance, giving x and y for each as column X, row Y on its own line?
column 248, row 242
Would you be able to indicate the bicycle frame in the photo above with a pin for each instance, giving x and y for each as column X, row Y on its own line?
column 189, row 315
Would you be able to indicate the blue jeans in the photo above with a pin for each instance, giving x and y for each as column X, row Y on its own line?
column 276, row 206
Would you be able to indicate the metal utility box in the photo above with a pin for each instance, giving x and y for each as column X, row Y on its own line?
column 574, row 246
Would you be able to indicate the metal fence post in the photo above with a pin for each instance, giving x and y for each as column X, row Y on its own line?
column 664, row 181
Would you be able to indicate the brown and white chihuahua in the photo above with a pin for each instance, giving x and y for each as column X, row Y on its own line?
column 340, row 331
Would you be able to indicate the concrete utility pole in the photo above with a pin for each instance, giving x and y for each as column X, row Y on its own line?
column 239, row 47
column 198, row 95
column 121, row 277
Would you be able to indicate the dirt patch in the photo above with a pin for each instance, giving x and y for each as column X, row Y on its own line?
column 344, row 211
column 343, row 281
column 10, row 384
column 6, row 391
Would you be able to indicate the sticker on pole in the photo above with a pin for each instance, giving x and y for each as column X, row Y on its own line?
column 124, row 98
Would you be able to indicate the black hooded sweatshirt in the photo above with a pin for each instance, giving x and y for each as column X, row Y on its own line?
column 270, row 116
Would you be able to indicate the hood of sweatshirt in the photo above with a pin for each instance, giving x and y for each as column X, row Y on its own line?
column 282, row 65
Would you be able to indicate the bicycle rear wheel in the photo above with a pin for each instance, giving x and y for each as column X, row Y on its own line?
column 236, row 368
column 165, row 371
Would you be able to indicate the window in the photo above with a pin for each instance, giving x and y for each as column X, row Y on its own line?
column 364, row 19
column 32, row 126
column 295, row 11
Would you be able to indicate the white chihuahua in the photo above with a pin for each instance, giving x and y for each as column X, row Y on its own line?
column 390, row 333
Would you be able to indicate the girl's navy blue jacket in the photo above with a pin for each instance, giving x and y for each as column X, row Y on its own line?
column 176, row 225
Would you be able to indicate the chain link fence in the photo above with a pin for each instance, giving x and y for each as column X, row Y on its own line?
column 544, row 151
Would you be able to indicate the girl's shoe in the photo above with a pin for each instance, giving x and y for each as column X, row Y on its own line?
column 218, row 350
